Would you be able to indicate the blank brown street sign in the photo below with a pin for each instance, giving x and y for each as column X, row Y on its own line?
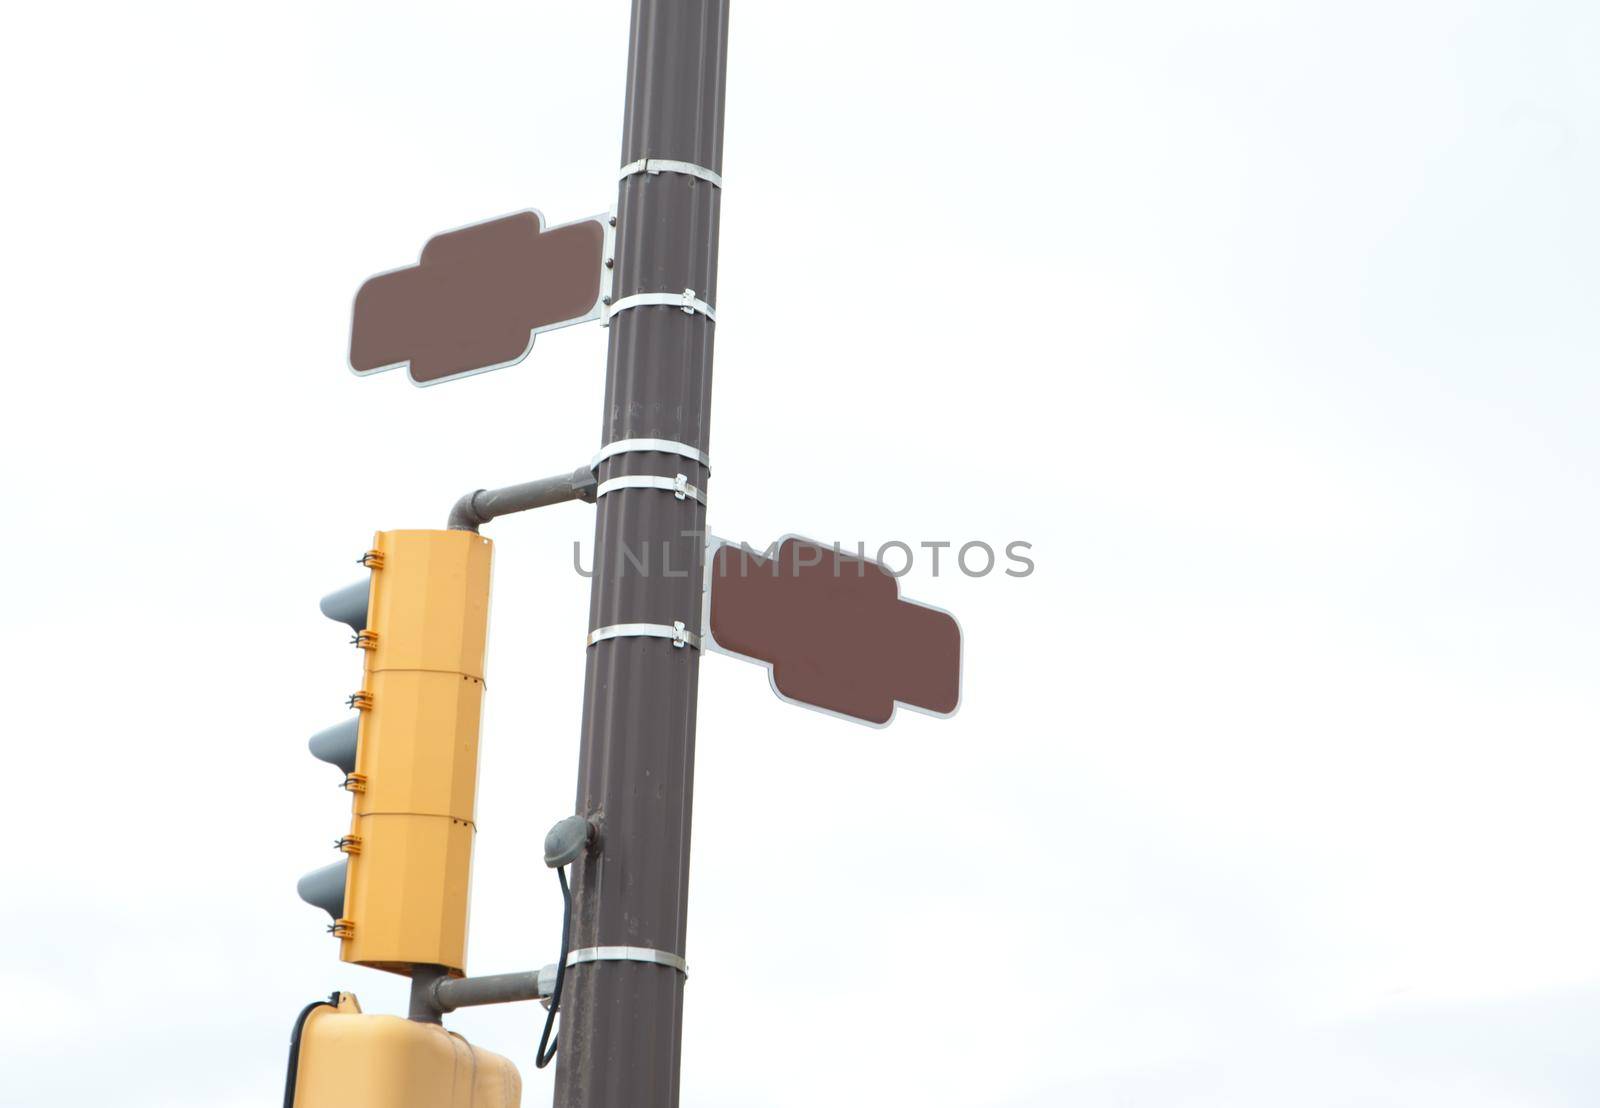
column 478, row 296
column 833, row 629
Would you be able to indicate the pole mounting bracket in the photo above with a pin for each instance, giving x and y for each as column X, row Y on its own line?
column 678, row 486
column 658, row 446
column 676, row 631
column 628, row 954
column 685, row 301
column 668, row 165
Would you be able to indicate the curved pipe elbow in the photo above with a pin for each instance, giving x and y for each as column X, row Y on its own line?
column 464, row 516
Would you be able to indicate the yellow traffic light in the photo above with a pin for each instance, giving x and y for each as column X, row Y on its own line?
column 345, row 1058
column 413, row 772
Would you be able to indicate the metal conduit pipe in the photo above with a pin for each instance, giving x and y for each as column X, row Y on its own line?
column 446, row 994
column 477, row 508
column 423, row 980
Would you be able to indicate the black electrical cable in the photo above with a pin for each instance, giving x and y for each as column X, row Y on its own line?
column 294, row 1045
column 544, row 1057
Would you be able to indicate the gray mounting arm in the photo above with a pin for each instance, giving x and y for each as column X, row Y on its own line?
column 477, row 508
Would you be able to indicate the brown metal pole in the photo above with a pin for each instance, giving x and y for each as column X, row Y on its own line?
column 621, row 1020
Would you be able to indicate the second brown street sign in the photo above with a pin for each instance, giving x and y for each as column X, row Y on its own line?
column 834, row 630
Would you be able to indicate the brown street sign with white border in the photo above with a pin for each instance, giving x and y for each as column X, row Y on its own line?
column 478, row 296
column 833, row 630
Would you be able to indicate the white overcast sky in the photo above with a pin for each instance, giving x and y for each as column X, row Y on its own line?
column 1273, row 326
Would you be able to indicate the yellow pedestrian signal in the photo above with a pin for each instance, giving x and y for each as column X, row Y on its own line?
column 345, row 1058
column 411, row 755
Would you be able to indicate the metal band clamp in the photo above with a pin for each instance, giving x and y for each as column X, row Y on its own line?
column 675, row 631
column 667, row 165
column 679, row 486
column 628, row 954
column 685, row 301
column 659, row 446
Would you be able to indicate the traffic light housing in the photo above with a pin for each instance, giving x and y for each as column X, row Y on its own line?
column 345, row 1058
column 410, row 756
